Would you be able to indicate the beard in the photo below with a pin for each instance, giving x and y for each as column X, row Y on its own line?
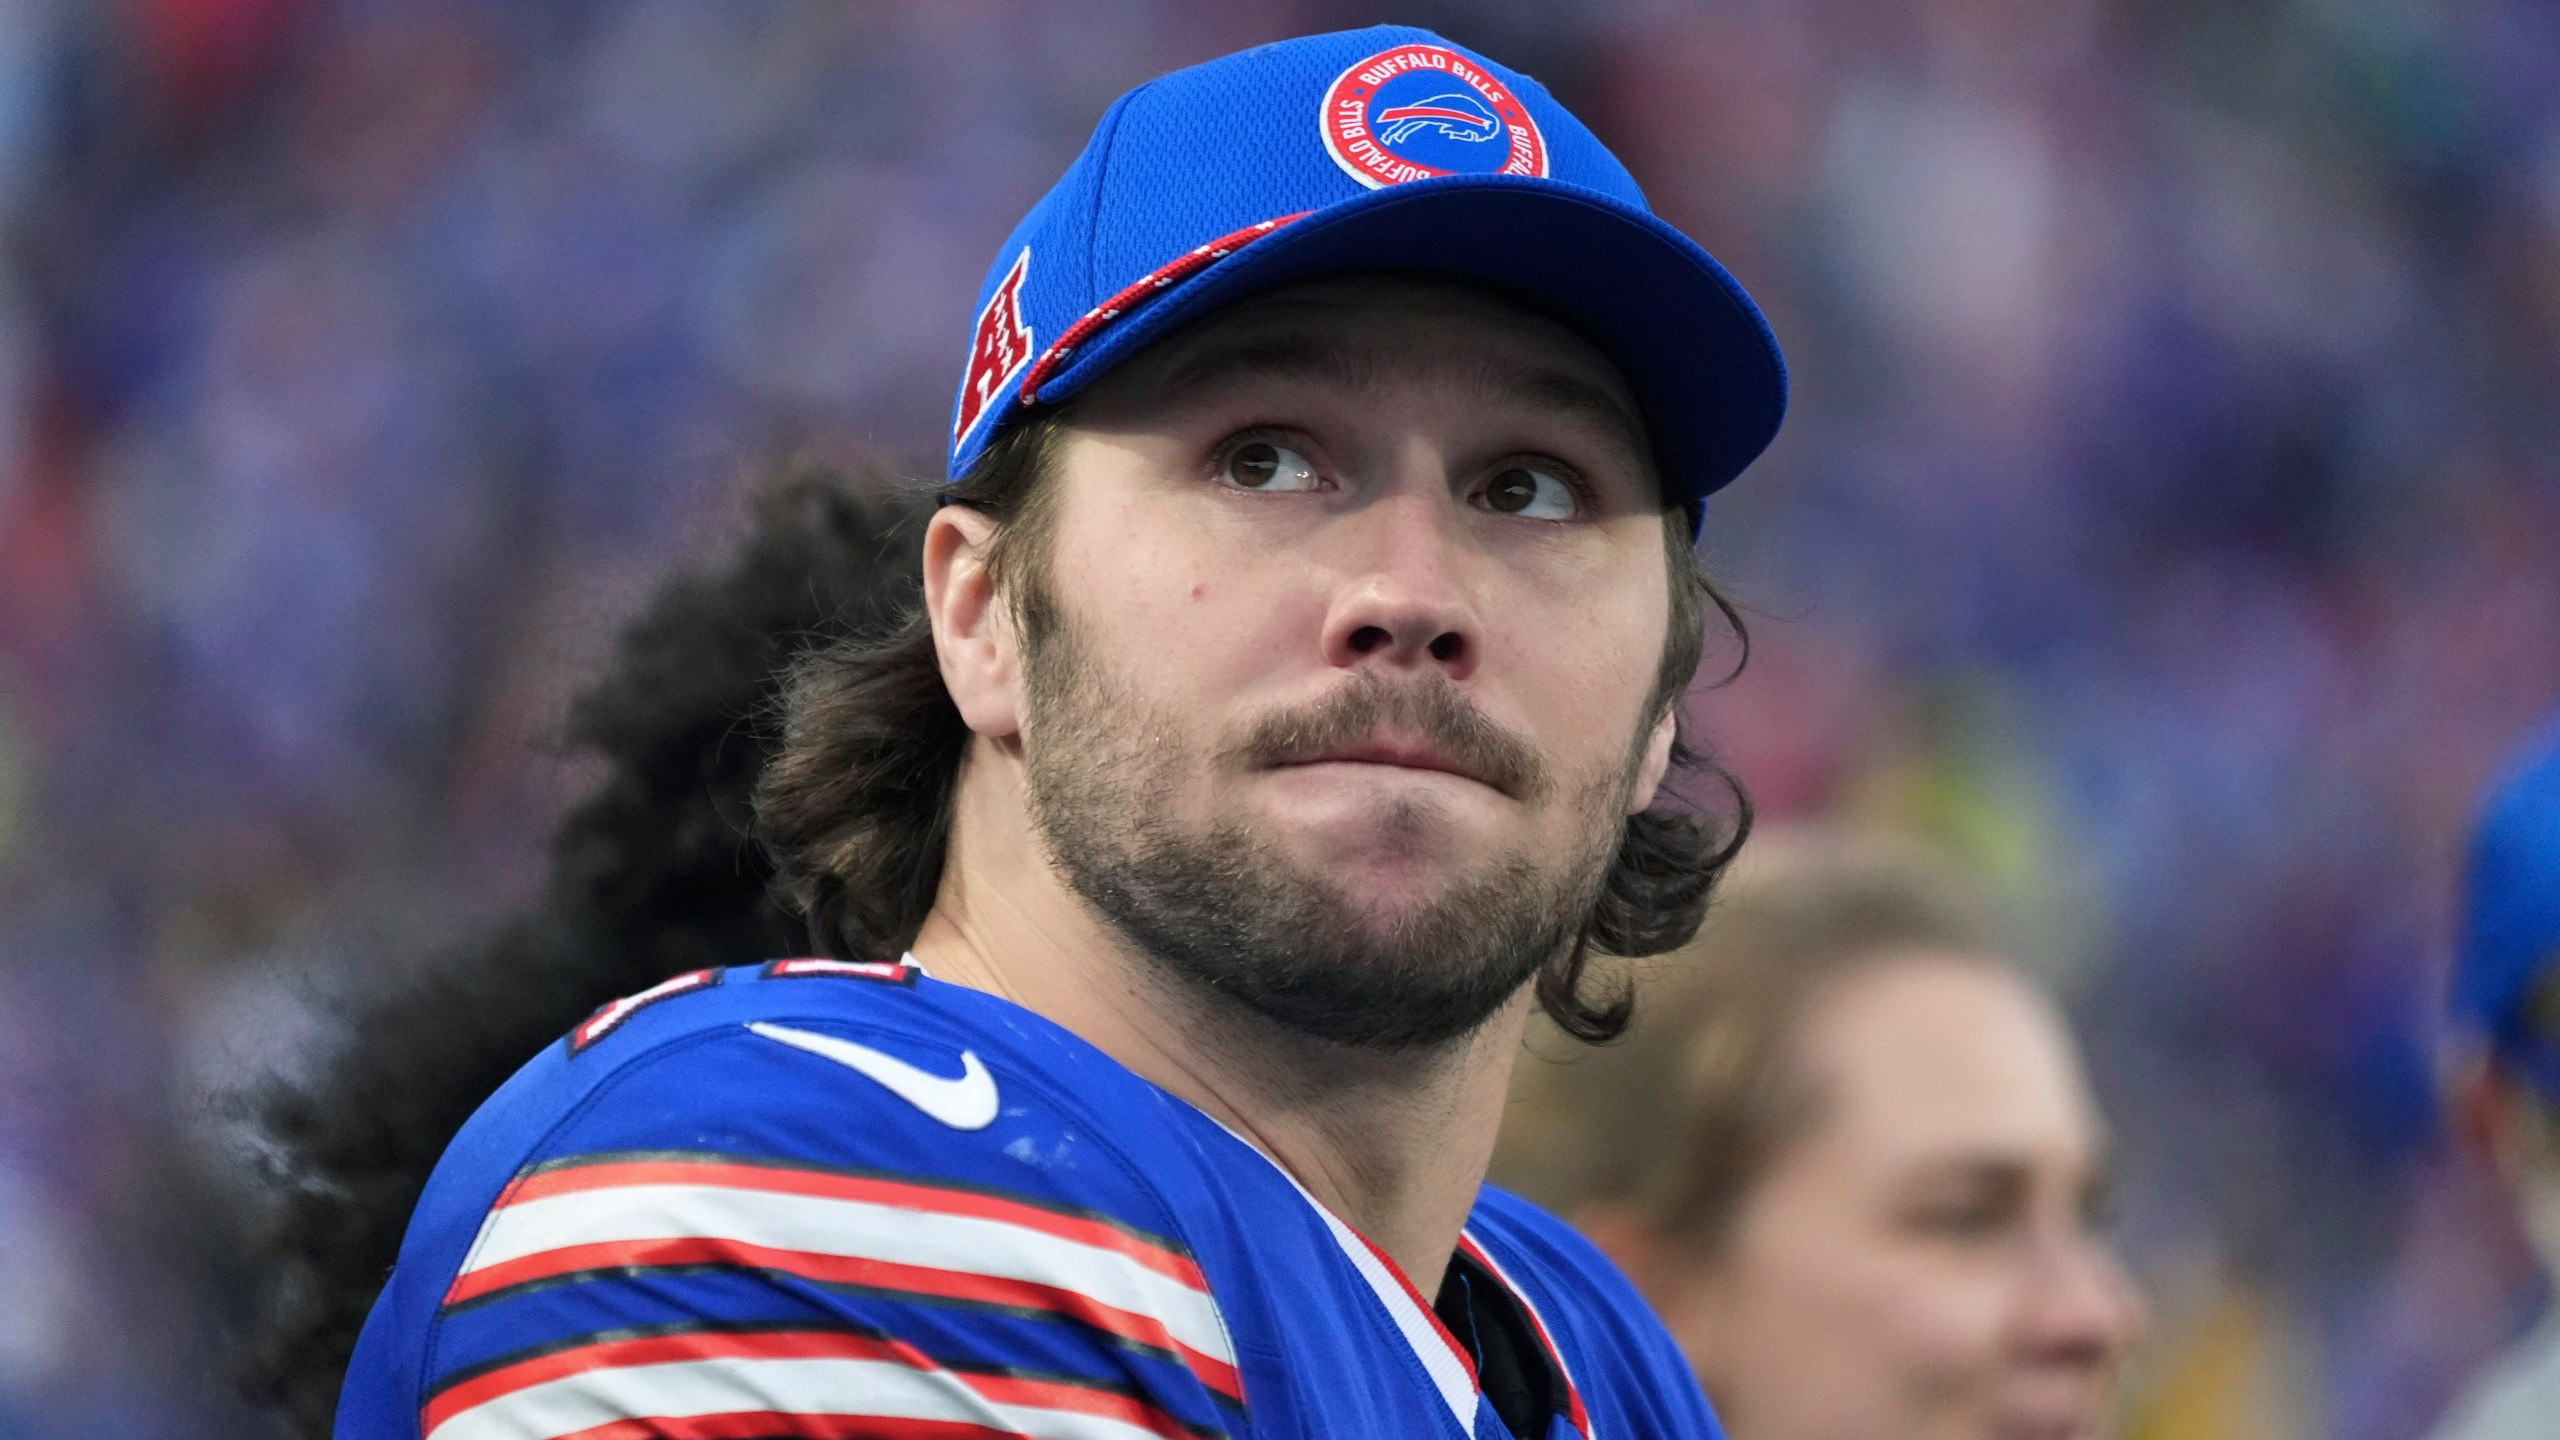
column 1231, row 916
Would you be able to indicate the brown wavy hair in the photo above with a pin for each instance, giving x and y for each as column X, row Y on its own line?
column 856, row 805
column 1719, row 1053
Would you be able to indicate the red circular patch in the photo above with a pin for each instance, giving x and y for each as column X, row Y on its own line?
column 1419, row 111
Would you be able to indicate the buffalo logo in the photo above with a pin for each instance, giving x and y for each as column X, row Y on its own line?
column 1460, row 117
column 1419, row 111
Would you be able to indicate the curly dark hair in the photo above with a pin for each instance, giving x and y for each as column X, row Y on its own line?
column 653, row 874
column 856, row 805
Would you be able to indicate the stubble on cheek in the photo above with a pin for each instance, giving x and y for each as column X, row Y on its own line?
column 1218, row 902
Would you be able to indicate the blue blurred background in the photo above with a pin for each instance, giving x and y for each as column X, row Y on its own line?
column 2168, row 522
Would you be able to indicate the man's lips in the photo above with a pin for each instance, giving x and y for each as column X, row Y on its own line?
column 2077, row 1425
column 1404, row 753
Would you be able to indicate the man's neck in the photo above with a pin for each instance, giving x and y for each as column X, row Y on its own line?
column 1395, row 1143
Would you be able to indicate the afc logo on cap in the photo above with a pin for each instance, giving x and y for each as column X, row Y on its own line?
column 999, row 347
column 1417, row 111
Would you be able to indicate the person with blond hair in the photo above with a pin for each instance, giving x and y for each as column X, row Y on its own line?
column 1850, row 1155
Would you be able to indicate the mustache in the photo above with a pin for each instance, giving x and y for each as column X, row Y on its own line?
column 1436, row 710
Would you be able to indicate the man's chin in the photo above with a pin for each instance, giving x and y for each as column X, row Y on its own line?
column 1395, row 956
column 1383, row 906
column 1389, row 857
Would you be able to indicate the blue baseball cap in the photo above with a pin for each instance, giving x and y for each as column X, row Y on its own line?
column 2511, row 915
column 1381, row 149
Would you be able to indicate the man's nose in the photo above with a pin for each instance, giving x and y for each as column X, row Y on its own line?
column 2084, row 1308
column 1403, row 602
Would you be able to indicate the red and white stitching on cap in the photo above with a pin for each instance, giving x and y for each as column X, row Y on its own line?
column 1163, row 277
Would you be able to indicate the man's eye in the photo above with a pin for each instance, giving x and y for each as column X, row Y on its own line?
column 1962, row 1222
column 1537, row 494
column 1261, row 465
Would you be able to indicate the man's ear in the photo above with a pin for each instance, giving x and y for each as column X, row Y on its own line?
column 1657, row 758
column 973, row 634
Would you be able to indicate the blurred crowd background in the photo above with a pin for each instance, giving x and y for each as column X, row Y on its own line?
column 2168, row 525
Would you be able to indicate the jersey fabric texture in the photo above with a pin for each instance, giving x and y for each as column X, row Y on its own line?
column 837, row 1199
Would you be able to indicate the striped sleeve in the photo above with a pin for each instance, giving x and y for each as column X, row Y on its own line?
column 691, row 1291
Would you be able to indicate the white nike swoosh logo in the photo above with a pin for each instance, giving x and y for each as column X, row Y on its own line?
column 963, row 1102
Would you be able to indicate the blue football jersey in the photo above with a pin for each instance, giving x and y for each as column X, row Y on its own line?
column 831, row 1199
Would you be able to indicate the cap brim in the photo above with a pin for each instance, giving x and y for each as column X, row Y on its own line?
column 1695, row 350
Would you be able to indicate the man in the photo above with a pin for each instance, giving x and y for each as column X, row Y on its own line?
column 1284, row 719
column 2506, row 1003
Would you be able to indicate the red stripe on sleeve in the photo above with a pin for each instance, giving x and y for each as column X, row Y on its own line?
column 658, row 1350
column 773, row 1425
column 851, row 1270
column 902, row 1194
column 1024, row 1392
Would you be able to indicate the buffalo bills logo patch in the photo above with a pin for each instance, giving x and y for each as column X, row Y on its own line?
column 1422, row 110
